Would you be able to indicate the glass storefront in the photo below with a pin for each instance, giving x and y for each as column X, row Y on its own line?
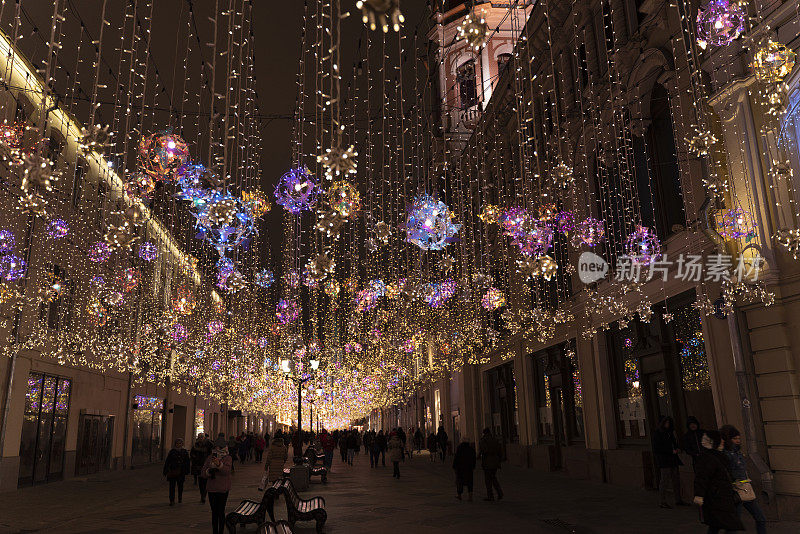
column 95, row 438
column 557, row 393
column 44, row 429
column 502, row 391
column 199, row 422
column 146, row 440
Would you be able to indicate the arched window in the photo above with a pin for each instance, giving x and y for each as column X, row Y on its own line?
column 467, row 85
column 503, row 61
column 667, row 206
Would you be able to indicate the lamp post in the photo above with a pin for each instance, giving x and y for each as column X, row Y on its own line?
column 286, row 368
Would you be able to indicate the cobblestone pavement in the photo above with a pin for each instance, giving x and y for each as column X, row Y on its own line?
column 359, row 500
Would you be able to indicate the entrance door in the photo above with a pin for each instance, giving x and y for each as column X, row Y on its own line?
column 659, row 403
column 95, row 436
column 560, row 426
column 178, row 423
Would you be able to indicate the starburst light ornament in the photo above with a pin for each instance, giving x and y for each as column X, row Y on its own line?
column 264, row 278
column 719, row 23
column 331, row 287
column 330, row 223
column 339, row 162
column 490, row 214
column 590, row 232
column 344, row 198
column 546, row 267
column 381, row 13
column 161, row 154
column 429, row 224
column 321, row 266
column 642, row 246
column 701, row 142
column 446, row 263
column 256, row 203
column 297, row 191
column 512, row 220
column 287, row 311
column 95, row 138
column 474, row 30
column 382, row 232
column 148, row 251
column 99, row 252
column 562, row 175
column 7, row 242
column 773, row 62
column 57, row 228
column 534, row 238
column 37, row 173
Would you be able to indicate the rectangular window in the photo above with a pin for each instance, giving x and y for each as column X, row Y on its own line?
column 44, row 429
column 467, row 85
column 199, row 422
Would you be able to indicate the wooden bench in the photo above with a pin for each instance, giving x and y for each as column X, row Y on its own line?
column 320, row 471
column 278, row 527
column 250, row 512
column 298, row 509
column 272, row 493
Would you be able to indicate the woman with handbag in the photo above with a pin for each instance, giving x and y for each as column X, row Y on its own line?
column 737, row 467
column 713, row 487
column 176, row 467
column 217, row 470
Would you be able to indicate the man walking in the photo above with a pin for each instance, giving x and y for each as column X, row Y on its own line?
column 491, row 456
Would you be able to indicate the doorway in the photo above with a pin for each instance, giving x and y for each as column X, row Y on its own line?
column 95, row 437
column 178, row 423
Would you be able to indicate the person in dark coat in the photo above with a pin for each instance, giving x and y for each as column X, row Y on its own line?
column 432, row 446
column 383, row 444
column 441, row 440
column 200, row 451
column 464, row 461
column 665, row 451
column 418, row 439
column 737, row 467
column 691, row 440
column 176, row 467
column 713, row 488
column 491, row 455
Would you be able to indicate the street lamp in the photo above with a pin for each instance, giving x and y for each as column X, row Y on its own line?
column 286, row 368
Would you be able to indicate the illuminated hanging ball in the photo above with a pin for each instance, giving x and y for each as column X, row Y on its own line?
column 11, row 135
column 215, row 327
column 128, row 279
column 493, row 299
column 512, row 220
column 490, row 214
column 719, row 23
column 534, row 238
column 161, row 154
column 297, row 191
column 140, row 186
column 474, row 30
column 287, row 311
column 256, row 202
column 381, row 13
column 736, row 223
column 344, row 198
column 12, row 267
column 429, row 224
column 565, row 222
column 114, row 298
column 57, row 229
column 99, row 252
column 264, row 278
column 351, row 284
column 6, row 241
column 548, row 212
column 338, row 162
column 437, row 294
column 590, row 232
column 642, row 246
column 773, row 62
column 97, row 282
column 222, row 212
column 184, row 301
column 148, row 251
column 98, row 315
column 331, row 287
column 178, row 332
column 193, row 178
column 225, row 266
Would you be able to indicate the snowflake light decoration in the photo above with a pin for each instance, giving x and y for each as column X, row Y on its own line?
column 7, row 241
column 565, row 222
column 339, row 162
column 381, row 13
column 512, row 220
column 148, row 251
column 534, row 238
column 264, row 278
column 297, row 191
column 344, row 198
column 701, row 142
column 719, row 23
column 256, row 203
column 562, row 175
column 736, row 223
column 546, row 267
column 287, row 311
column 642, row 246
column 99, row 252
column 493, row 299
column 590, row 232
column 429, row 224
column 37, row 173
column 382, row 232
column 161, row 154
column 321, row 266
column 773, row 62
column 57, row 228
column 12, row 267
column 95, row 138
column 474, row 30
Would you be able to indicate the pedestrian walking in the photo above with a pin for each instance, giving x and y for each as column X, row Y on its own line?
column 343, row 446
column 665, row 451
column 200, row 451
column 737, row 467
column 691, row 441
column 395, row 447
column 464, row 461
column 176, row 467
column 441, row 441
column 277, row 453
column 328, row 444
column 233, row 450
column 352, row 443
column 382, row 444
column 491, row 456
column 259, row 445
column 418, row 439
column 410, row 443
column 432, row 446
column 713, row 487
column 217, row 470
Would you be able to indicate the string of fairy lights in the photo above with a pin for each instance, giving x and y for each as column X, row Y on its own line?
column 414, row 241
